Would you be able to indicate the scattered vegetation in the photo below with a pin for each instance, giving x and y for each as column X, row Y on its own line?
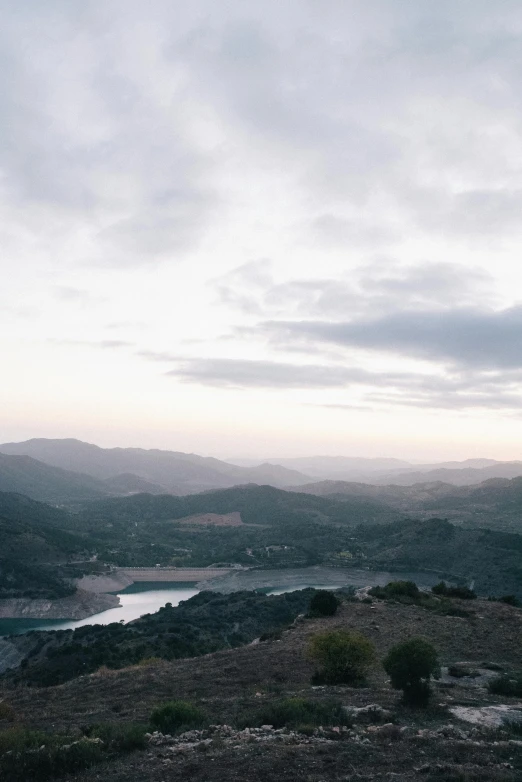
column 343, row 657
column 397, row 590
column 407, row 592
column 410, row 666
column 206, row 623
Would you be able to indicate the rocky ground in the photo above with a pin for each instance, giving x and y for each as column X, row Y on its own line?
column 467, row 734
column 79, row 605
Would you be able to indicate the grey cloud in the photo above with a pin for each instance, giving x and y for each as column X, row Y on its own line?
column 477, row 213
column 401, row 100
column 356, row 103
column 99, row 140
column 245, row 373
column 464, row 337
column 468, row 391
column 380, row 286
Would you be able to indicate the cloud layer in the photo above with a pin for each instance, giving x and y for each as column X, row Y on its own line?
column 315, row 202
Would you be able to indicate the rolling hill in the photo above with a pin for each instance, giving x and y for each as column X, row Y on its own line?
column 495, row 503
column 177, row 472
column 25, row 475
column 33, row 545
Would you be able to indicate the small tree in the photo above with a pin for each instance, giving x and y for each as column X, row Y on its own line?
column 324, row 603
column 343, row 657
column 410, row 666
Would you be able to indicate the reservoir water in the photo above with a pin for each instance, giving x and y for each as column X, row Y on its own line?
column 135, row 601
column 147, row 598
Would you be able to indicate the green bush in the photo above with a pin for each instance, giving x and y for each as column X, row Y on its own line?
column 396, row 589
column 461, row 592
column 410, row 666
column 506, row 685
column 177, row 716
column 344, row 657
column 297, row 712
column 323, row 603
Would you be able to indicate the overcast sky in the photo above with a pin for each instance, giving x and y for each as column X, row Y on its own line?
column 248, row 228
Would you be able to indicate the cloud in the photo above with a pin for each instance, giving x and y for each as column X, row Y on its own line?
column 379, row 286
column 463, row 337
column 458, row 391
column 102, row 142
column 244, row 373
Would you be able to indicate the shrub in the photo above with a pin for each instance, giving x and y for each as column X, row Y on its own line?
column 298, row 712
column 323, row 603
column 343, row 657
column 177, row 716
column 410, row 666
column 396, row 589
column 506, row 685
column 464, row 593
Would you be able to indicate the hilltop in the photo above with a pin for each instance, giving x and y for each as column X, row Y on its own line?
column 243, row 686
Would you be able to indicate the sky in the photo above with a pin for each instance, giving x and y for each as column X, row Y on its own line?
column 266, row 229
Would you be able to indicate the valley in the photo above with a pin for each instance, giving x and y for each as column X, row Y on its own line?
column 122, row 599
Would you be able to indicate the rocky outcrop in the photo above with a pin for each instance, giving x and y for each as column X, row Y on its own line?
column 109, row 582
column 80, row 605
column 10, row 655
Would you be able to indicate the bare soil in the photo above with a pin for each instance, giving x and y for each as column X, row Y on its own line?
column 213, row 519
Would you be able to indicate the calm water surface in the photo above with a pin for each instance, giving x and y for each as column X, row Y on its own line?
column 137, row 600
column 147, row 598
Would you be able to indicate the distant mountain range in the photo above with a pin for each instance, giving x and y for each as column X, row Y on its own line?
column 396, row 471
column 494, row 503
column 25, row 475
column 129, row 470
column 68, row 472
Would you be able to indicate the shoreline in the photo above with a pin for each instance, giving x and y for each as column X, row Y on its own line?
column 80, row 605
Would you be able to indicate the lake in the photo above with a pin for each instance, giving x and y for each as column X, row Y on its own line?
column 136, row 600
column 148, row 597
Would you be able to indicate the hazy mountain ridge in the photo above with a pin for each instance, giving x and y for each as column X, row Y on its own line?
column 464, row 476
column 495, row 503
column 397, row 471
column 34, row 478
column 177, row 472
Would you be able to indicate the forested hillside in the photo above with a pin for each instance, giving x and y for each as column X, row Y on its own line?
column 34, row 547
